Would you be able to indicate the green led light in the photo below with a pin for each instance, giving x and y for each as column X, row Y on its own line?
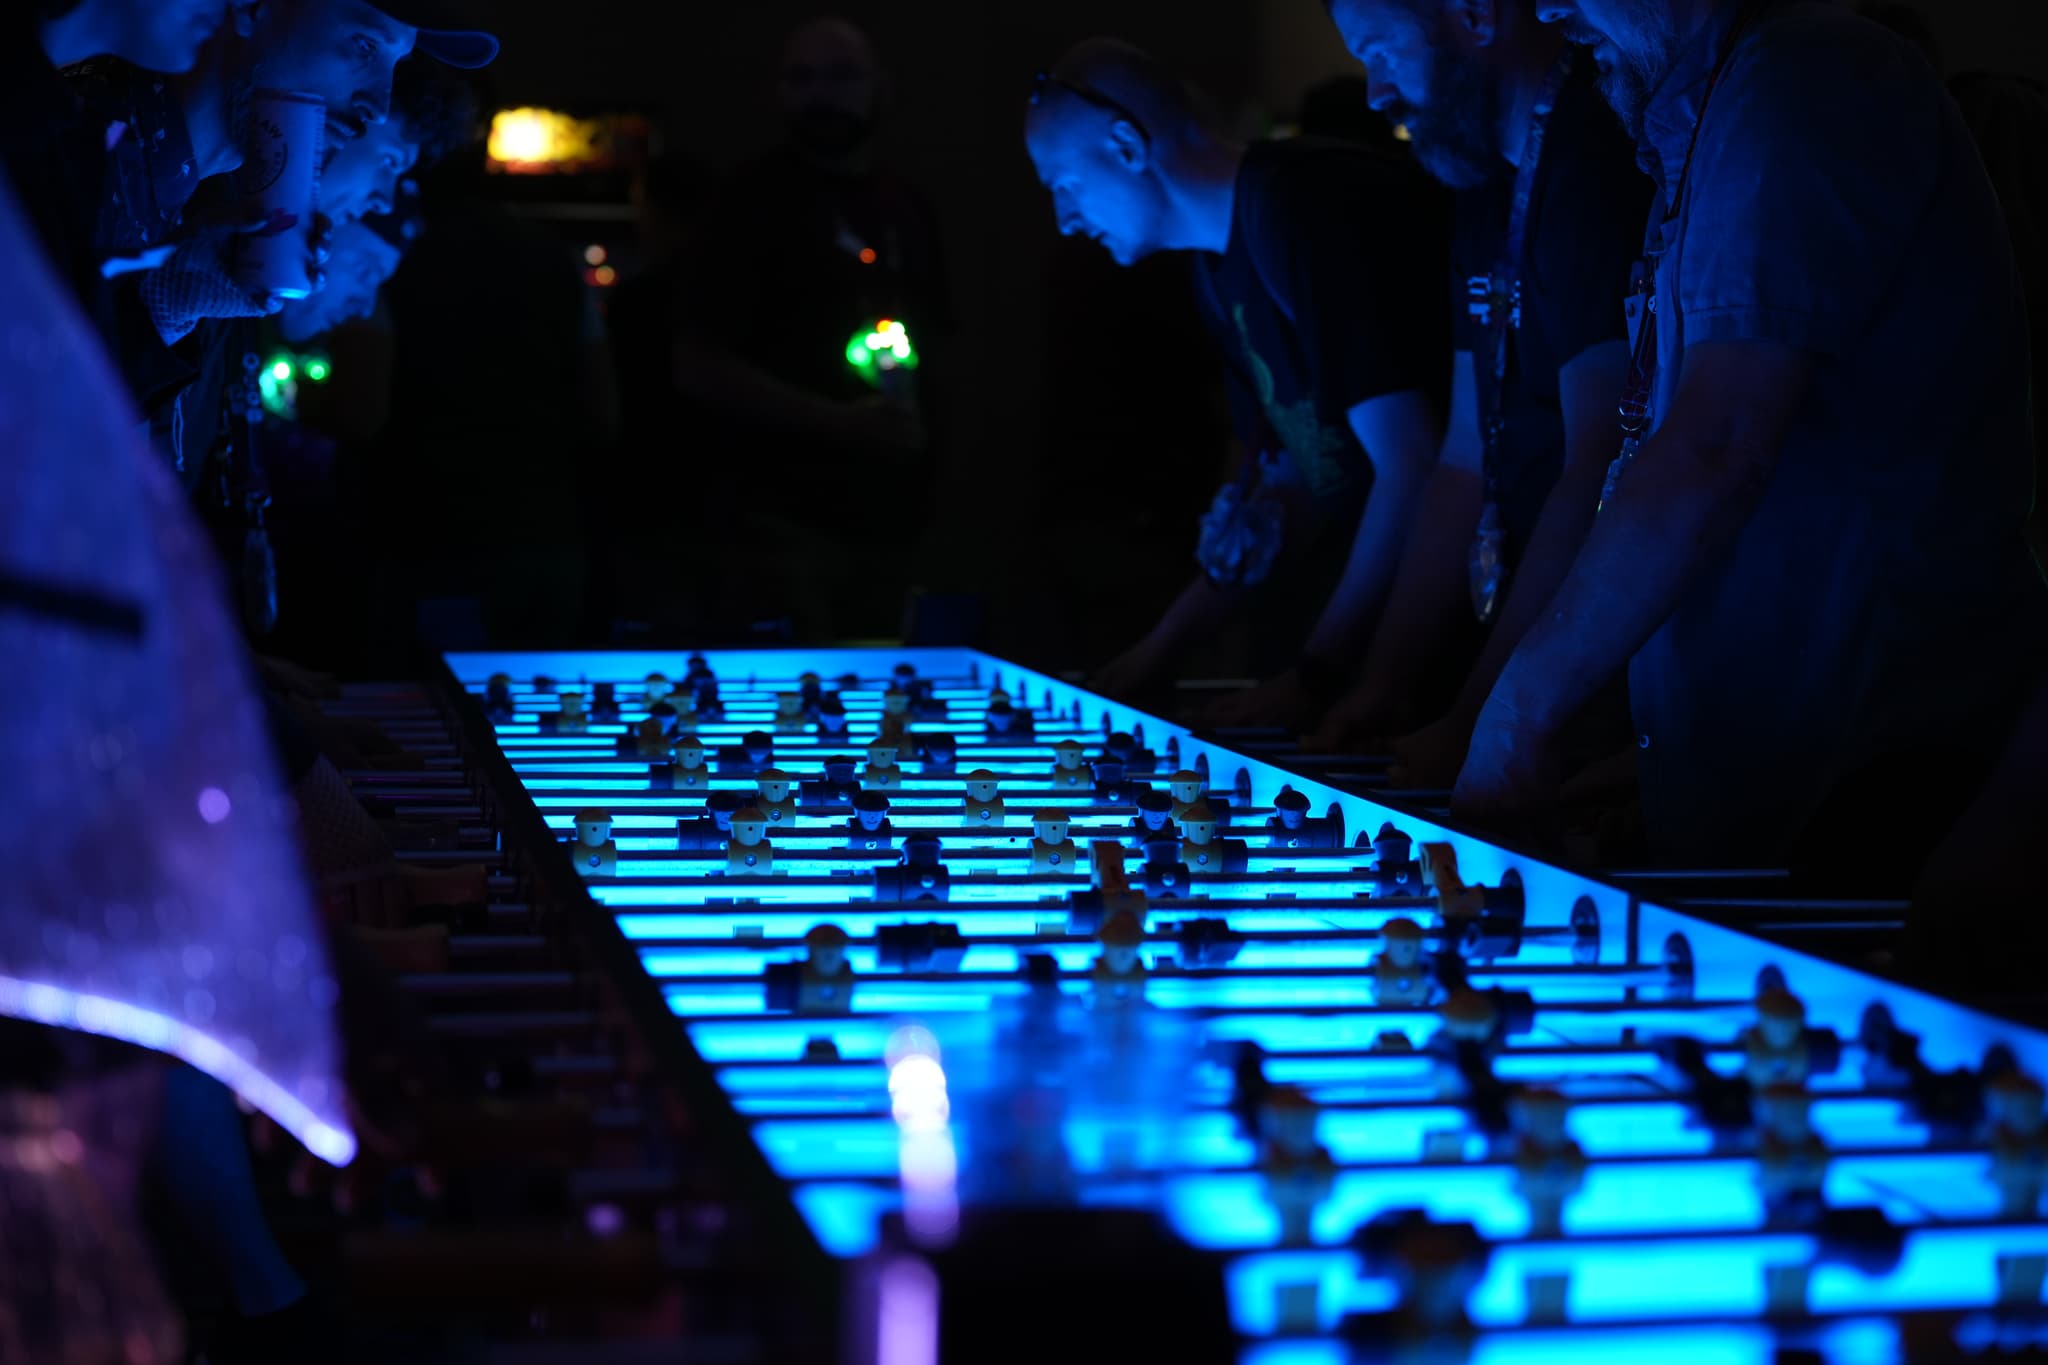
column 317, row 371
column 875, row 350
column 281, row 371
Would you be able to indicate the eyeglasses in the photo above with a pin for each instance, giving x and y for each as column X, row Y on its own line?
column 1045, row 82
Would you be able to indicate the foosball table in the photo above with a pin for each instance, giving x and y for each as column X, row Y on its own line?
column 987, row 987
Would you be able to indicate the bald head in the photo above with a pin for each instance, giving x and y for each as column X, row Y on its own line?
column 830, row 87
column 1132, row 77
column 1120, row 142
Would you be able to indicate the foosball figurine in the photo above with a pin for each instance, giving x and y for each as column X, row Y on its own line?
column 696, row 670
column 1401, row 975
column 543, row 685
column 826, row 984
column 1434, row 1268
column 1165, row 874
column 1791, row 1163
column 655, row 688
column 1154, row 819
column 1394, row 862
column 571, row 720
column 1469, row 1026
column 604, row 702
column 498, row 697
column 1201, row 850
column 839, row 785
column 895, row 721
column 773, row 797
column 982, row 807
column 1006, row 724
column 881, row 774
column 704, row 701
column 596, row 854
column 649, row 740
column 1298, row 1170
column 1110, row 782
column 1186, row 787
column 1774, row 1048
column 1119, row 975
column 939, row 753
column 1052, row 853
column 1125, row 749
column 1067, row 773
column 790, row 716
column 749, row 854
column 1483, row 922
column 2019, row 1153
column 1110, row 894
column 754, row 752
column 686, row 753
column 925, row 702
column 918, row 875
column 831, row 718
column 712, row 830
column 1291, row 826
column 868, row 829
column 1549, row 1166
column 810, row 690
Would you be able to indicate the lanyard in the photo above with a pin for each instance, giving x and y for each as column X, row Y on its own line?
column 1503, row 301
column 1638, row 398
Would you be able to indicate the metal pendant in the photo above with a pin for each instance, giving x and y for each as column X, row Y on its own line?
column 1487, row 566
column 1612, row 482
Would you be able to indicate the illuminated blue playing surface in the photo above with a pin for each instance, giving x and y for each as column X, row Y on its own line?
column 1664, row 1247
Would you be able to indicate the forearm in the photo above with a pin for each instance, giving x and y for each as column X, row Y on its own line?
column 1430, row 591
column 1681, row 504
column 1555, row 543
column 1369, row 572
column 716, row 378
column 1402, row 435
column 1200, row 609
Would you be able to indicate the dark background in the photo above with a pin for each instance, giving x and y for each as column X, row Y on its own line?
column 1084, row 436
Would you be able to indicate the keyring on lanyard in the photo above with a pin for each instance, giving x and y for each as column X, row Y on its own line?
column 1486, row 565
column 1638, row 397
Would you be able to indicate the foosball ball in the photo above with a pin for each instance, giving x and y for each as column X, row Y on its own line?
column 1014, row 989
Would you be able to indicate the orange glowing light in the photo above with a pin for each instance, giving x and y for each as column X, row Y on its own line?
column 526, row 141
column 605, row 275
column 867, row 255
column 883, row 325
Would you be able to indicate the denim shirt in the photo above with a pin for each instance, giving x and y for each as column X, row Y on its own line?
column 1881, row 601
column 151, row 170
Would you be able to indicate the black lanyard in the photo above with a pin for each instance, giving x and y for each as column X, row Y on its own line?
column 1639, row 397
column 1504, row 293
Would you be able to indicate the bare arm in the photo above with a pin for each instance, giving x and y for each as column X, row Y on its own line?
column 1400, row 435
column 1431, row 586
column 1686, row 497
column 713, row 376
column 1587, row 389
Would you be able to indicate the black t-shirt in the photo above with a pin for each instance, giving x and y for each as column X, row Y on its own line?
column 787, row 261
column 1326, row 297
column 1583, row 235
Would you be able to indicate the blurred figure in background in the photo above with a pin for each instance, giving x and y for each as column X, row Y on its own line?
column 501, row 398
column 656, row 580
column 796, row 256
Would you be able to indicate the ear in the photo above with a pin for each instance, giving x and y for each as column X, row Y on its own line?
column 1479, row 20
column 1132, row 147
